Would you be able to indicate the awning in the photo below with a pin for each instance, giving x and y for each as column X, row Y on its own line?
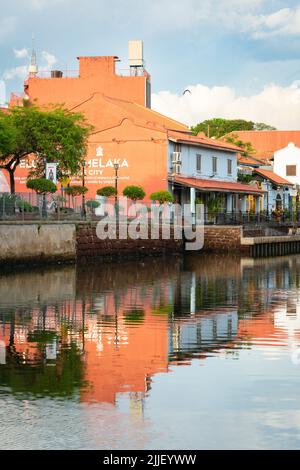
column 211, row 185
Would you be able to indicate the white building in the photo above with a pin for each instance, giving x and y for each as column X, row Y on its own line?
column 287, row 163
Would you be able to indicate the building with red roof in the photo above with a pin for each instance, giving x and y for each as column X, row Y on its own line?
column 266, row 143
column 151, row 150
column 279, row 191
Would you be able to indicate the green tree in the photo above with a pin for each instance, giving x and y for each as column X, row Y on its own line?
column 219, row 127
column 247, row 148
column 93, row 205
column 261, row 126
column 41, row 186
column 135, row 193
column 52, row 135
column 162, row 197
column 107, row 191
column 75, row 190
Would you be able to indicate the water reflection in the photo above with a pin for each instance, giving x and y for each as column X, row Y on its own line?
column 107, row 335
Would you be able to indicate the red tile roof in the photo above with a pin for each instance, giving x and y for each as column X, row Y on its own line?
column 270, row 175
column 266, row 143
column 249, row 160
column 189, row 138
column 215, row 185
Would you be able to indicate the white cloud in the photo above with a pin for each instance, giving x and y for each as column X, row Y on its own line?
column 257, row 18
column 21, row 53
column 188, row 14
column 284, row 22
column 275, row 105
column 48, row 60
column 16, row 72
column 21, row 71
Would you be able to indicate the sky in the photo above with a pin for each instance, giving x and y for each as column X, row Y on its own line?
column 239, row 58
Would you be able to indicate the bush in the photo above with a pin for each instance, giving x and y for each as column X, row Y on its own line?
column 162, row 197
column 7, row 204
column 41, row 186
column 24, row 206
column 75, row 190
column 66, row 210
column 134, row 193
column 107, row 191
column 93, row 204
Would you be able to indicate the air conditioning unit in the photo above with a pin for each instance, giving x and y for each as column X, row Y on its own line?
column 177, row 168
column 176, row 158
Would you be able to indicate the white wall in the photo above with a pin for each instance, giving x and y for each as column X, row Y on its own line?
column 289, row 155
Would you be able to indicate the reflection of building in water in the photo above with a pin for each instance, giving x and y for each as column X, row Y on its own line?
column 110, row 330
column 205, row 332
column 137, row 403
column 2, row 352
column 130, row 351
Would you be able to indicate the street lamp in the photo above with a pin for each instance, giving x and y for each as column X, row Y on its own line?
column 116, row 167
column 44, row 203
column 83, row 210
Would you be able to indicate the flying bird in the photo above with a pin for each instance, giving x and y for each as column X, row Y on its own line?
column 187, row 91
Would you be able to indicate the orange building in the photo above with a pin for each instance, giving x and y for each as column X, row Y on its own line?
column 126, row 130
column 265, row 143
column 152, row 150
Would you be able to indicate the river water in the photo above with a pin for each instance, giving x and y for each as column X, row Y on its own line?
column 198, row 352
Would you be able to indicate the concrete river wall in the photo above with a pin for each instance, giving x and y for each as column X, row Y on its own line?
column 44, row 242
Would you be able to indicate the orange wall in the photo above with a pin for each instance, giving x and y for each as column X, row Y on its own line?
column 142, row 160
column 124, row 128
column 96, row 74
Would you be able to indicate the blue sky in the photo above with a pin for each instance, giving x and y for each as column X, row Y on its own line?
column 239, row 46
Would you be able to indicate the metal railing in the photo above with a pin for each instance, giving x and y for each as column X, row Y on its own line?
column 30, row 206
column 250, row 218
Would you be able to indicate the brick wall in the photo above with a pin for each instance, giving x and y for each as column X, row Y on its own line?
column 90, row 248
column 222, row 238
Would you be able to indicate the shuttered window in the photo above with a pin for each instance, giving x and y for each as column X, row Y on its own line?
column 291, row 170
column 214, row 165
column 198, row 162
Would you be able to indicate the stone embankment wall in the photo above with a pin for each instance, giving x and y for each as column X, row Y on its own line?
column 90, row 247
column 22, row 243
column 38, row 243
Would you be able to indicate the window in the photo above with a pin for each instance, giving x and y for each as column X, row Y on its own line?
column 177, row 148
column 229, row 167
column 214, row 165
column 291, row 170
column 198, row 163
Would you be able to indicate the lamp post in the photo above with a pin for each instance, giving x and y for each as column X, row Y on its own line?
column 83, row 209
column 116, row 167
column 44, row 203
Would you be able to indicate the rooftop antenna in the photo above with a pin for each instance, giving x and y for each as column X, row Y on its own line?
column 33, row 67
